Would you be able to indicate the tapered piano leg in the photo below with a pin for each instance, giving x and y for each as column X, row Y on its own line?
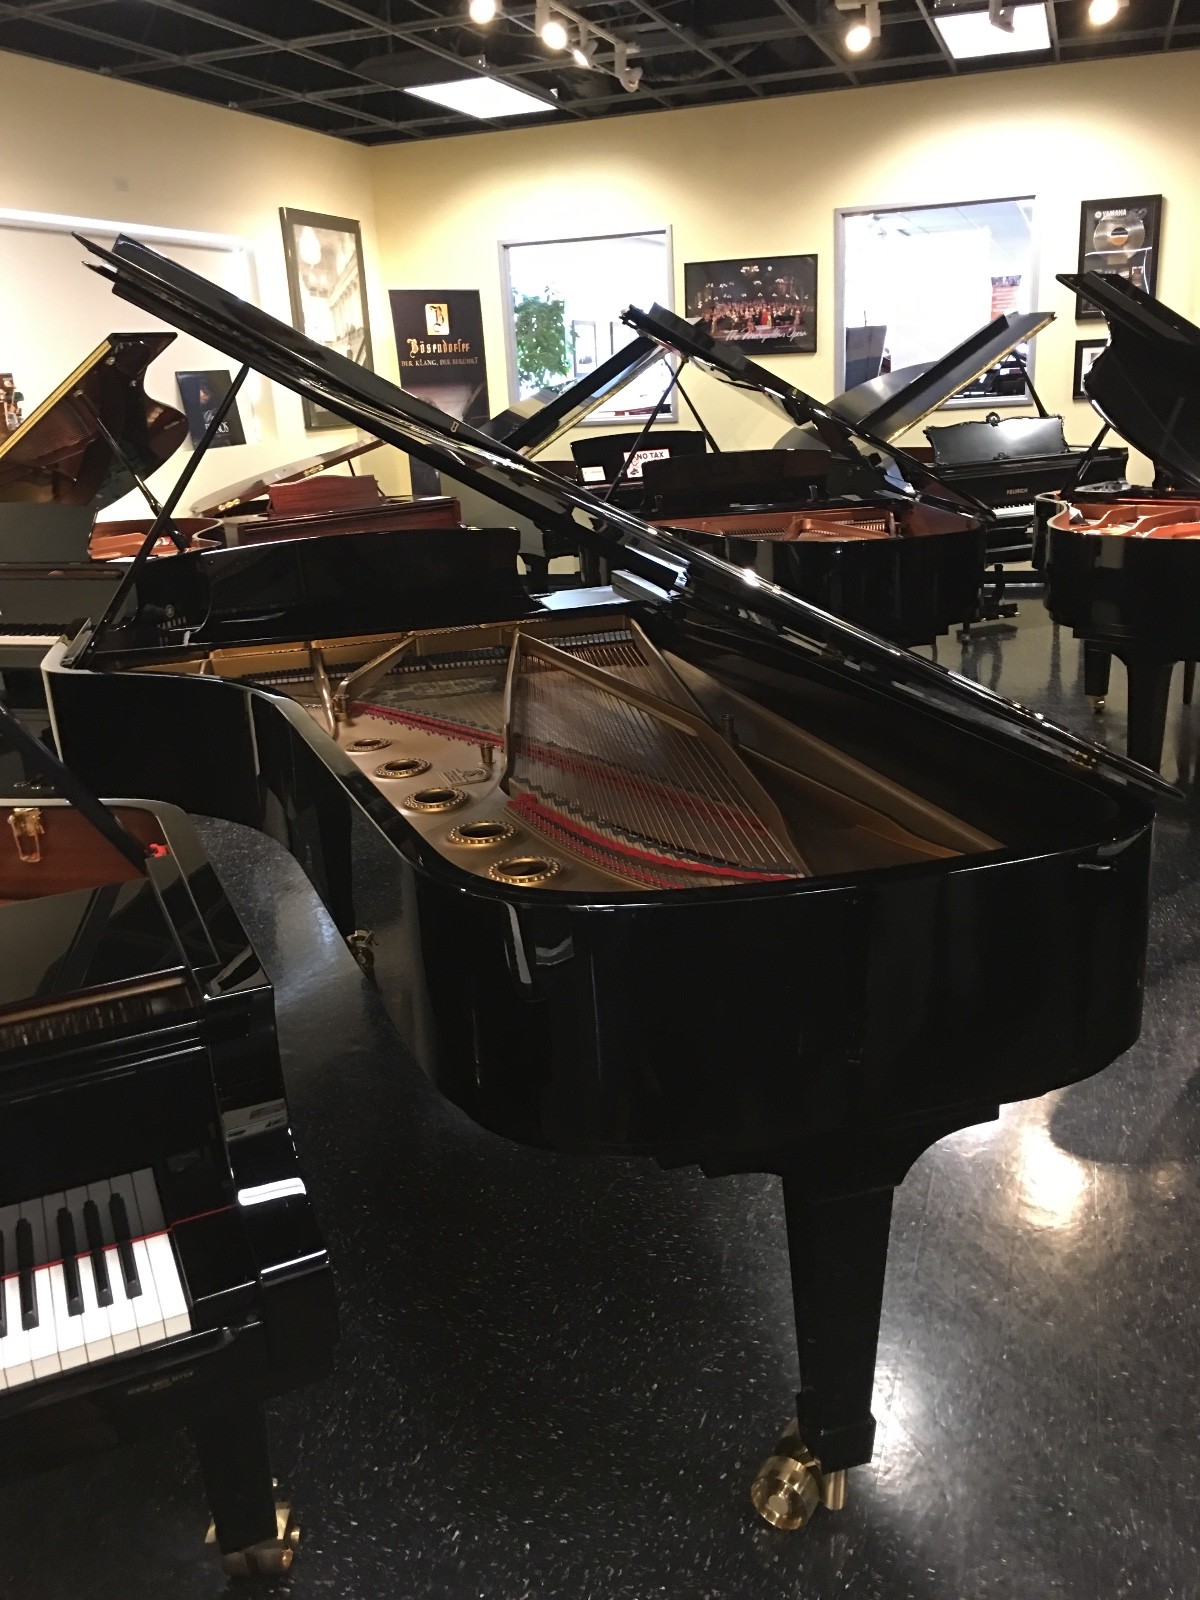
column 1097, row 665
column 1149, row 691
column 838, row 1248
column 251, row 1531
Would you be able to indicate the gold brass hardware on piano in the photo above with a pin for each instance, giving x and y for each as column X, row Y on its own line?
column 365, row 746
column 406, row 767
column 434, row 800
column 482, row 833
column 361, row 945
column 27, row 830
column 270, row 1558
column 789, row 1486
column 525, row 872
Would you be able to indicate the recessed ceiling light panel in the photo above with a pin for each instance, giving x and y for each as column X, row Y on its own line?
column 970, row 34
column 486, row 98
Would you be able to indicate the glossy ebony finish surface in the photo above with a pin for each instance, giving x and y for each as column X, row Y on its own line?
column 99, row 1079
column 555, row 1373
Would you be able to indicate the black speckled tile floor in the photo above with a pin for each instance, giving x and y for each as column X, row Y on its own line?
column 557, row 1376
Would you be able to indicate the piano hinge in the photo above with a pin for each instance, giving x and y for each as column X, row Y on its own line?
column 27, row 830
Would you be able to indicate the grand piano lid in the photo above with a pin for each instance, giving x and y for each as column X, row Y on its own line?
column 896, row 401
column 839, row 436
column 650, row 565
column 229, row 501
column 534, row 429
column 1146, row 384
column 64, row 450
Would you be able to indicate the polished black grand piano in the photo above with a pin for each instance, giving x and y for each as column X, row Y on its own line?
column 159, row 1260
column 91, row 441
column 1004, row 461
column 1122, row 569
column 686, row 869
column 873, row 537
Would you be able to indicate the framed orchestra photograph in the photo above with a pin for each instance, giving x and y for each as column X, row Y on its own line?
column 1119, row 236
column 1086, row 351
column 327, row 287
column 765, row 305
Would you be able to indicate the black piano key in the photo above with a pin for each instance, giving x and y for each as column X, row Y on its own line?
column 29, row 1310
column 95, row 1240
column 3, row 1295
column 70, row 1262
column 120, row 1222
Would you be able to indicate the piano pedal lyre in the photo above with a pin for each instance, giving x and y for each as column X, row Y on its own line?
column 269, row 1558
column 789, row 1486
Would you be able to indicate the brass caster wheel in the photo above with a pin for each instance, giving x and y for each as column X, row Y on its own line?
column 361, row 944
column 789, row 1486
column 1097, row 704
column 270, row 1558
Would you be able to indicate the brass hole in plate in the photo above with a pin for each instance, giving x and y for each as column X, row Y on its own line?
column 406, row 767
column 482, row 832
column 361, row 746
column 446, row 799
column 524, row 870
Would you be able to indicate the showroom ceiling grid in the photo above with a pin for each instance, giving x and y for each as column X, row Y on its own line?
column 343, row 66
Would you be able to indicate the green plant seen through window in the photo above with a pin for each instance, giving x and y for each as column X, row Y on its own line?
column 543, row 344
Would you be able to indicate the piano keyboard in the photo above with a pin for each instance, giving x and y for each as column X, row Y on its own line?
column 87, row 1274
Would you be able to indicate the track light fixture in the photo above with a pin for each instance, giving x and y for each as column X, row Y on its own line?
column 551, row 28
column 560, row 28
column 483, row 11
column 863, row 30
column 1102, row 12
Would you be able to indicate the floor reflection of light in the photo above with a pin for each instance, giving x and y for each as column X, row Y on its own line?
column 1053, row 1184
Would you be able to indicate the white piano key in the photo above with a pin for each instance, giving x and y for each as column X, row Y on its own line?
column 97, row 1328
column 14, row 1347
column 146, row 1310
column 43, row 1345
column 68, row 1330
column 122, row 1320
column 148, row 1201
column 43, row 1340
column 171, row 1298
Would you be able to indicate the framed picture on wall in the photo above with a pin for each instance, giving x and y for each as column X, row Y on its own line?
column 564, row 299
column 1086, row 351
column 1120, row 236
column 914, row 281
column 327, row 286
column 766, row 305
column 202, row 393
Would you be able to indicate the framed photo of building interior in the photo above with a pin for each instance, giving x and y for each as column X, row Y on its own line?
column 1086, row 351
column 914, row 281
column 327, row 288
column 1120, row 236
column 766, row 305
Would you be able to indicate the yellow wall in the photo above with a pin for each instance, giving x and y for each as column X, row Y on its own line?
column 763, row 175
column 82, row 145
column 767, row 176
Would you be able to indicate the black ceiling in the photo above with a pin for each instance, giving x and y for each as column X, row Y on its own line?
column 335, row 65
